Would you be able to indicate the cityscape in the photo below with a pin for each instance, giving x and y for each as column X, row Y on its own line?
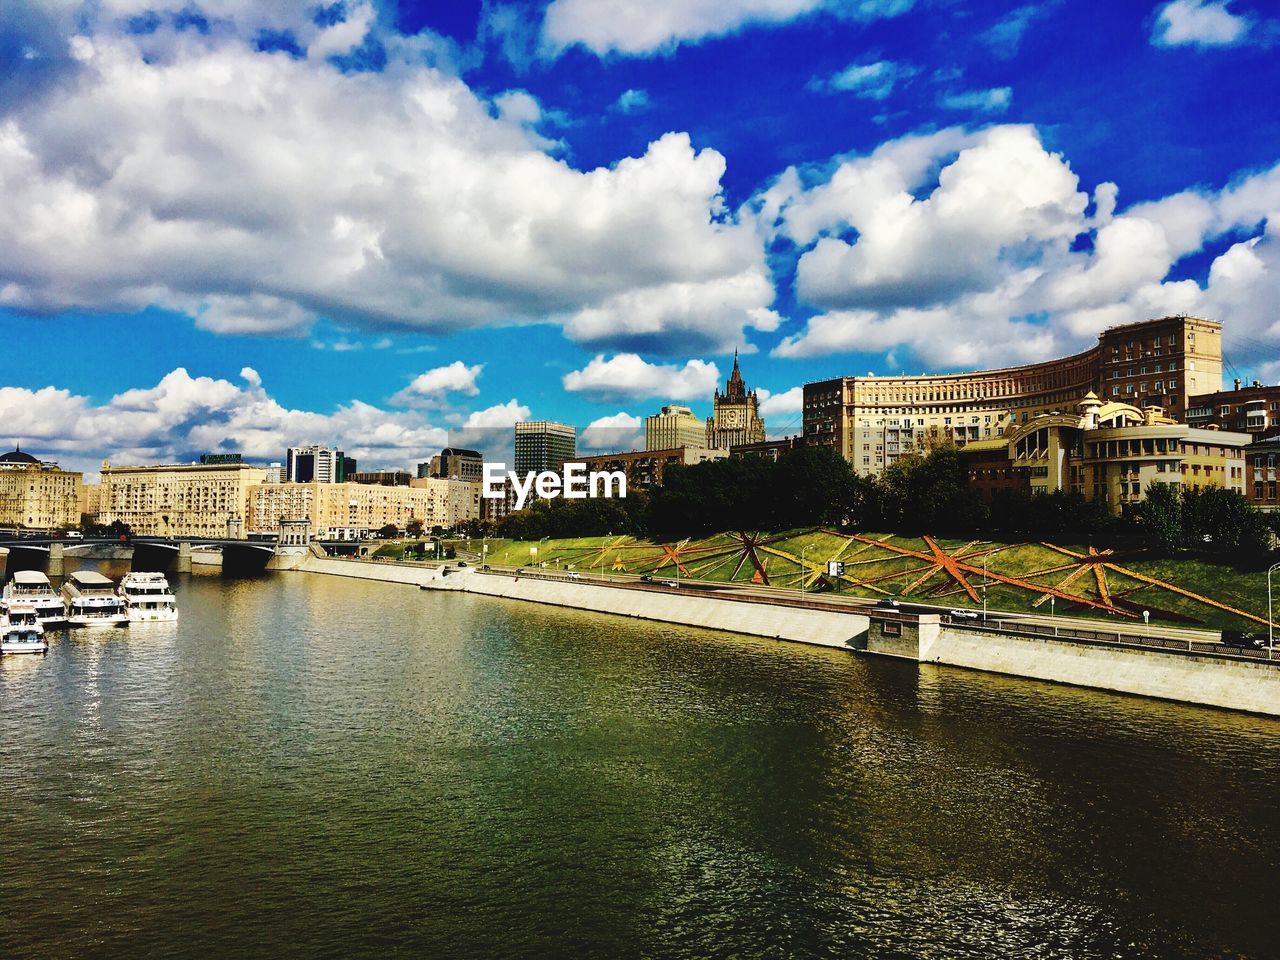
column 1145, row 406
column 674, row 479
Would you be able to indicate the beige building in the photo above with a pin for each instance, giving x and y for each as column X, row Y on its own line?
column 675, row 426
column 179, row 500
column 735, row 418
column 36, row 495
column 873, row 421
column 350, row 511
column 1109, row 452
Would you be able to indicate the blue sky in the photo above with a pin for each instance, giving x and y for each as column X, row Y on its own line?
column 233, row 225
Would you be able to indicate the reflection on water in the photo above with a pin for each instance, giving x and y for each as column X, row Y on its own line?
column 315, row 766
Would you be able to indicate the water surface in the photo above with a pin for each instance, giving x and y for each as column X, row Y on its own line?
column 311, row 766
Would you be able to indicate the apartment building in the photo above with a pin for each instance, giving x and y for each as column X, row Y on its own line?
column 872, row 421
column 38, row 494
column 179, row 500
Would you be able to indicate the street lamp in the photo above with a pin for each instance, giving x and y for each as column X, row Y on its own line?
column 1271, row 630
column 1051, row 615
column 984, row 588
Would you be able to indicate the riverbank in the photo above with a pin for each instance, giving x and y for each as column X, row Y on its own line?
column 1177, row 675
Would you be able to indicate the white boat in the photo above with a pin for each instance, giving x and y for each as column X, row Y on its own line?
column 21, row 632
column 32, row 587
column 147, row 597
column 92, row 601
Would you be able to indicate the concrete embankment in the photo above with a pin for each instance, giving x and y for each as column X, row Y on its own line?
column 826, row 628
column 1217, row 681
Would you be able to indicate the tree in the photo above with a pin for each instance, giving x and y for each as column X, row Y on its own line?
column 388, row 531
column 414, row 528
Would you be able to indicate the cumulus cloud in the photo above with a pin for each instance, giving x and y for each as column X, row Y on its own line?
column 1200, row 23
column 1004, row 37
column 871, row 81
column 966, row 248
column 258, row 190
column 628, row 376
column 640, row 27
column 184, row 415
column 783, row 404
column 619, row 432
column 434, row 385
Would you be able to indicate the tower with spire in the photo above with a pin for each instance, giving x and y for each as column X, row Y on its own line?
column 735, row 417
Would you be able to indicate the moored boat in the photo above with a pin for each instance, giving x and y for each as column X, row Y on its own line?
column 92, row 601
column 21, row 631
column 147, row 597
column 32, row 588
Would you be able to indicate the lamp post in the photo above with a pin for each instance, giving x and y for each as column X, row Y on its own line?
column 1051, row 614
column 984, row 588
column 1271, row 630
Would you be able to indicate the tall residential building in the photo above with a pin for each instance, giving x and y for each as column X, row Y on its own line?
column 319, row 465
column 454, row 463
column 38, row 495
column 735, row 417
column 352, row 511
column 543, row 445
column 1261, row 473
column 675, row 426
column 1254, row 409
column 873, row 421
column 179, row 500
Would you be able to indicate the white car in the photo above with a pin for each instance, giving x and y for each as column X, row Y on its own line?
column 966, row 614
column 574, row 575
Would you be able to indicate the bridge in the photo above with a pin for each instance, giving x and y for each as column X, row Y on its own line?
column 149, row 553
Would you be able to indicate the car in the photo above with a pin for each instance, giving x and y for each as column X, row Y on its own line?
column 74, row 535
column 646, row 579
column 574, row 575
column 670, row 583
column 519, row 570
column 462, row 563
column 1243, row 639
column 891, row 604
column 966, row 614
column 485, row 569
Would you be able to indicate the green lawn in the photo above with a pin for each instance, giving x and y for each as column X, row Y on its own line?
column 1102, row 586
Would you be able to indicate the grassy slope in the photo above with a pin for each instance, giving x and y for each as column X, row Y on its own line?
column 873, row 571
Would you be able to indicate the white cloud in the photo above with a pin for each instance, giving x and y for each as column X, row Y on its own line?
column 632, row 100
column 871, row 81
column 1201, row 23
column 501, row 415
column 995, row 100
column 619, row 432
column 781, row 404
column 629, row 376
column 966, row 249
column 256, row 192
column 639, row 27
column 1005, row 36
column 184, row 415
column 435, row 384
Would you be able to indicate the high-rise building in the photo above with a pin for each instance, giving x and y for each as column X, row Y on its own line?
column 38, row 495
column 319, row 465
column 675, row 426
column 872, row 421
column 735, row 417
column 454, row 463
column 543, row 445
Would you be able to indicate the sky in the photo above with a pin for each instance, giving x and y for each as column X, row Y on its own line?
column 237, row 226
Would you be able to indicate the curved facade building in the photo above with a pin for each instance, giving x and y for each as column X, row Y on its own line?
column 873, row 421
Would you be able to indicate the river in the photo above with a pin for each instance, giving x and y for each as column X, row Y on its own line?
column 313, row 766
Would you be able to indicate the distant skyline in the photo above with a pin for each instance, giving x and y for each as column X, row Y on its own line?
column 230, row 225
